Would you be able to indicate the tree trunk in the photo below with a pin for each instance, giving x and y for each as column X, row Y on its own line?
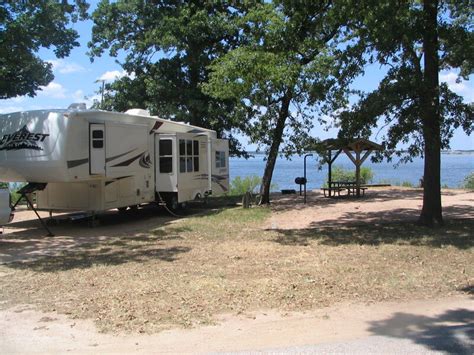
column 431, row 119
column 273, row 153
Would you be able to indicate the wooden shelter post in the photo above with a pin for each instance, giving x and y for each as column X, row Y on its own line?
column 330, row 161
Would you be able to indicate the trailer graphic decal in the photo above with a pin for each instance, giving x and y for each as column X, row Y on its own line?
column 112, row 181
column 131, row 160
column 74, row 163
column 118, row 156
column 22, row 139
column 155, row 128
column 145, row 161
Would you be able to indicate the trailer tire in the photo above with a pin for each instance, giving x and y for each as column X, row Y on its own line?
column 172, row 202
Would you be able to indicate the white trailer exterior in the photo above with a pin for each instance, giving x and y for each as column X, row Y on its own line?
column 95, row 160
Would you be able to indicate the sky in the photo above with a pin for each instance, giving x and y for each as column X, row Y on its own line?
column 77, row 79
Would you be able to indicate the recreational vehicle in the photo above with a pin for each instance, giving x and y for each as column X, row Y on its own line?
column 94, row 160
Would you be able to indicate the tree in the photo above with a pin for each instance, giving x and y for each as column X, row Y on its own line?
column 27, row 26
column 169, row 46
column 279, row 74
column 415, row 40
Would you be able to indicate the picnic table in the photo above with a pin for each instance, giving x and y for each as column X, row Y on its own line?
column 338, row 186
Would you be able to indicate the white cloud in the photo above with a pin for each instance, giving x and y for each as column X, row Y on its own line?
column 63, row 67
column 90, row 100
column 460, row 87
column 9, row 109
column 54, row 90
column 114, row 75
column 78, row 96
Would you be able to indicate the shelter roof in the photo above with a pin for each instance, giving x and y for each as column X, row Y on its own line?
column 357, row 144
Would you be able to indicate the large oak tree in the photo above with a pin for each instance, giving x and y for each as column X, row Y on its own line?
column 414, row 40
column 281, row 73
column 167, row 47
column 27, row 26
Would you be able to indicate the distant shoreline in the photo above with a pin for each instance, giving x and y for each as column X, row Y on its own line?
column 449, row 152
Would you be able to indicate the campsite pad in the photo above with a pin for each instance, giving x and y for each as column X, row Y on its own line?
column 145, row 272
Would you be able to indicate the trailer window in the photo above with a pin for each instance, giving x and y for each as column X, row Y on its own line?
column 166, row 156
column 220, row 159
column 182, row 147
column 188, row 156
column 196, row 155
column 97, row 139
column 189, row 147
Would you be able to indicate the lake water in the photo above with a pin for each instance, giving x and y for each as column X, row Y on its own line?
column 454, row 168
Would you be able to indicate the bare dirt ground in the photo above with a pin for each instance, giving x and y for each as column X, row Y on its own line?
column 388, row 204
column 415, row 322
column 147, row 272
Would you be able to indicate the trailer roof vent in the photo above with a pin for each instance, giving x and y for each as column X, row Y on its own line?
column 138, row 112
column 77, row 106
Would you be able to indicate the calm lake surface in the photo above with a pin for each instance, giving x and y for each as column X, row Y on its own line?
column 454, row 168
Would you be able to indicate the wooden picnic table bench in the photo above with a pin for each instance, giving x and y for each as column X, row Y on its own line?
column 338, row 186
column 327, row 191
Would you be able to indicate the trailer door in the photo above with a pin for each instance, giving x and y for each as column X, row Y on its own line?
column 97, row 149
column 165, row 163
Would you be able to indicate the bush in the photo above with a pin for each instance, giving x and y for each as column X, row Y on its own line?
column 469, row 181
column 239, row 186
column 341, row 174
column 407, row 184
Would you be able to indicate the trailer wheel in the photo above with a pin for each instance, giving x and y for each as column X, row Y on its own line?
column 172, row 202
column 133, row 208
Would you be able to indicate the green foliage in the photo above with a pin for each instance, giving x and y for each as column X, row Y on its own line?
column 239, row 186
column 469, row 182
column 407, row 184
column 191, row 35
column 280, row 73
column 340, row 174
column 392, row 34
column 26, row 27
column 366, row 175
column 413, row 41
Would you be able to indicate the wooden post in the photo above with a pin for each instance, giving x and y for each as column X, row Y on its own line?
column 358, row 164
column 329, row 172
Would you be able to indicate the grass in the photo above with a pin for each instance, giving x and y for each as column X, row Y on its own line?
column 227, row 260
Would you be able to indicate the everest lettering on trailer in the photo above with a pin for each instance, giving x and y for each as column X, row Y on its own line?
column 22, row 139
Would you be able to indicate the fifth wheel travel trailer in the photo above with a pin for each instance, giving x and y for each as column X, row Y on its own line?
column 94, row 160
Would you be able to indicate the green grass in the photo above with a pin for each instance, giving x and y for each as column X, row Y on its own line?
column 228, row 221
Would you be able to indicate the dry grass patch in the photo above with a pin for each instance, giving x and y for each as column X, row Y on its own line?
column 185, row 273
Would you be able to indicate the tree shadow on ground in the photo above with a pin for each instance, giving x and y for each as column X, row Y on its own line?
column 451, row 332
column 282, row 203
column 457, row 233
column 396, row 215
column 120, row 238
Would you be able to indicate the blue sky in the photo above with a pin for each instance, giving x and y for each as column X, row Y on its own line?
column 76, row 81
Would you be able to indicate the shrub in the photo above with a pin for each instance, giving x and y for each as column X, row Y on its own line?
column 407, row 184
column 239, row 186
column 341, row 174
column 469, row 181
column 366, row 175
